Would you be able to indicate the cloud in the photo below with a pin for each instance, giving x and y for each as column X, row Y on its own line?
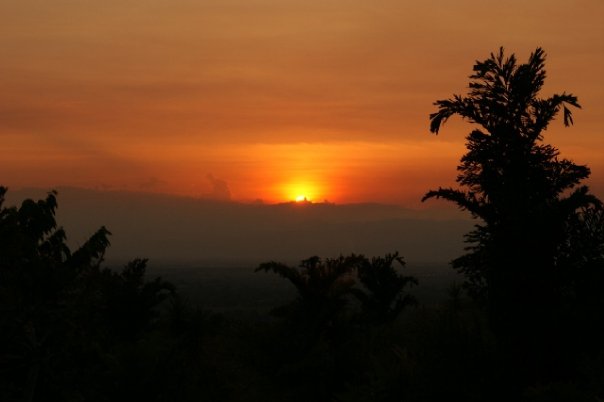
column 220, row 189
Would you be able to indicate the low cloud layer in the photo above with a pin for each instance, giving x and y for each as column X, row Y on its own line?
column 220, row 189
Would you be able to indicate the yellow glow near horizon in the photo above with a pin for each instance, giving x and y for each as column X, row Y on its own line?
column 301, row 191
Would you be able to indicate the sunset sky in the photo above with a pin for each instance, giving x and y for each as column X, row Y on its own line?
column 270, row 99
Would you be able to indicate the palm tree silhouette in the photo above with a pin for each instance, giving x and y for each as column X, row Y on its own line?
column 519, row 187
column 322, row 287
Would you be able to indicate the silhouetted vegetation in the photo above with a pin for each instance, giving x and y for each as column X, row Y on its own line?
column 340, row 302
column 539, row 237
column 72, row 329
column 325, row 287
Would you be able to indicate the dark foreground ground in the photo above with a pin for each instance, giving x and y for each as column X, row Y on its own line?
column 230, row 334
column 441, row 349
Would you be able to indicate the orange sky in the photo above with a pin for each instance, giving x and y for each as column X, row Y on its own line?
column 264, row 99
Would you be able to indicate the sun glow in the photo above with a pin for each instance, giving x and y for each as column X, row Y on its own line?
column 301, row 191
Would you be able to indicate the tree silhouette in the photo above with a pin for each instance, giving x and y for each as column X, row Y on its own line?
column 524, row 194
column 63, row 318
column 326, row 342
column 322, row 287
column 381, row 291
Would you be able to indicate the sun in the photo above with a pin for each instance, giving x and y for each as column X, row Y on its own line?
column 301, row 191
column 301, row 198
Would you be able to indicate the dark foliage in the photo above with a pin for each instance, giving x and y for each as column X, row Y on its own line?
column 340, row 302
column 69, row 329
column 73, row 330
column 380, row 288
column 539, row 238
column 325, row 287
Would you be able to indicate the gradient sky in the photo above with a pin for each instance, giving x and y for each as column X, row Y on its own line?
column 268, row 99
